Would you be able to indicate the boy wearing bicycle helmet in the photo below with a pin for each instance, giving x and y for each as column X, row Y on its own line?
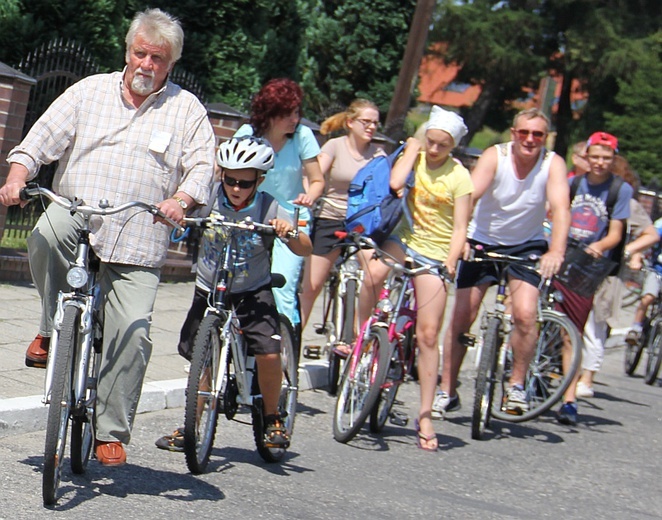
column 243, row 162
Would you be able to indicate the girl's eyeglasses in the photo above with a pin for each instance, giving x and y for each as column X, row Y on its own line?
column 243, row 184
column 367, row 123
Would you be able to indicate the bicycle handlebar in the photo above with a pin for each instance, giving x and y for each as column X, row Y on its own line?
column 247, row 224
column 368, row 243
column 78, row 206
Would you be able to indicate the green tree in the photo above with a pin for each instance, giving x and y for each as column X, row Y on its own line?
column 353, row 49
column 637, row 120
column 597, row 43
column 498, row 45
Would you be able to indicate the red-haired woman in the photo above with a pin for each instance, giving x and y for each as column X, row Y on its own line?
column 275, row 116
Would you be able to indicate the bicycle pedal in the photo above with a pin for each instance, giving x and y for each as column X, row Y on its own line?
column 467, row 340
column 320, row 329
column 398, row 418
column 312, row 351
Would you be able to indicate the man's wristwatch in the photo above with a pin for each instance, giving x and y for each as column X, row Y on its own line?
column 182, row 203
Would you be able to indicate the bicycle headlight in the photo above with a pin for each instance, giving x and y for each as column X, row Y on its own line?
column 385, row 306
column 77, row 277
column 352, row 265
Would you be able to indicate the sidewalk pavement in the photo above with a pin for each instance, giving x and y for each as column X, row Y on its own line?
column 21, row 388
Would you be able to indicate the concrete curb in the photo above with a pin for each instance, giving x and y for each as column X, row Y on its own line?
column 28, row 414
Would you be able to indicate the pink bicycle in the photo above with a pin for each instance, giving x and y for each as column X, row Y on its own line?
column 383, row 354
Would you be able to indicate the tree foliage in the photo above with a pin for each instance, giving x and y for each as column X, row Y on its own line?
column 637, row 119
column 353, row 49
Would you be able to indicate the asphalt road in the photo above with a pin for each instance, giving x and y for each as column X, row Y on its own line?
column 606, row 467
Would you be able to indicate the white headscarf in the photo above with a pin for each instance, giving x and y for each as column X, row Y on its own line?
column 447, row 121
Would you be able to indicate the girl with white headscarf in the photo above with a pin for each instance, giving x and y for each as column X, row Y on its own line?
column 438, row 208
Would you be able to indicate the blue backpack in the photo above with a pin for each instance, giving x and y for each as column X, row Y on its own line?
column 373, row 209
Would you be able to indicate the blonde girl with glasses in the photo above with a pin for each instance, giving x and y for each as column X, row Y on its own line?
column 340, row 159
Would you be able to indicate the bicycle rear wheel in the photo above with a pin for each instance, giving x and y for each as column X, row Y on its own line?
column 361, row 384
column 546, row 380
column 202, row 394
column 82, row 422
column 59, row 409
column 654, row 359
column 485, row 379
column 288, row 395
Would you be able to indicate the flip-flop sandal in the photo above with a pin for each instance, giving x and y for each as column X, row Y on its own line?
column 420, row 436
column 342, row 350
column 172, row 442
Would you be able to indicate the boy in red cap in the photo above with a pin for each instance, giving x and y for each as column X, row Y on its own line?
column 598, row 222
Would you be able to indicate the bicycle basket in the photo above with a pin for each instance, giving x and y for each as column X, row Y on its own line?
column 581, row 272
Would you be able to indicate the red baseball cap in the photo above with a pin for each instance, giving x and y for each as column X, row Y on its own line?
column 604, row 139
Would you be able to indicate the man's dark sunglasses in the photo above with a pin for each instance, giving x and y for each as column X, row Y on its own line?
column 243, row 184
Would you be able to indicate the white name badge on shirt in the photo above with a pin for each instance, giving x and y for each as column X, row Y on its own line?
column 159, row 141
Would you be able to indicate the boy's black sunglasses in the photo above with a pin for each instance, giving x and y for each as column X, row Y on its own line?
column 243, row 184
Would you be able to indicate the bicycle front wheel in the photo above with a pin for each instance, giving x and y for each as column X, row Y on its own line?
column 485, row 379
column 546, row 379
column 364, row 374
column 61, row 403
column 287, row 404
column 654, row 359
column 633, row 356
column 346, row 335
column 202, row 395
column 82, row 422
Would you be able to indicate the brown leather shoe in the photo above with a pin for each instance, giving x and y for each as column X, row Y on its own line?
column 37, row 353
column 110, row 453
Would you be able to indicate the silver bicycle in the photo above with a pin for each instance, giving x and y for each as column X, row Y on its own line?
column 74, row 356
column 223, row 374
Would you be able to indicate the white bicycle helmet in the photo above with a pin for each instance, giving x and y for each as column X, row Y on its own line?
column 245, row 152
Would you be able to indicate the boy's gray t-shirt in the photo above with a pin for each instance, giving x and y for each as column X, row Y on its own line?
column 250, row 250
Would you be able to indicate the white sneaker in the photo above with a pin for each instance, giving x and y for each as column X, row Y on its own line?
column 444, row 403
column 583, row 390
column 516, row 403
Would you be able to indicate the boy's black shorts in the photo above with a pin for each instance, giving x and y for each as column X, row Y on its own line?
column 257, row 315
column 259, row 320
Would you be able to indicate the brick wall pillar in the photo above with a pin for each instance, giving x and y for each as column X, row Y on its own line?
column 14, row 95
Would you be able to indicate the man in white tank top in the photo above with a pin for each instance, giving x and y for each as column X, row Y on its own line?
column 514, row 184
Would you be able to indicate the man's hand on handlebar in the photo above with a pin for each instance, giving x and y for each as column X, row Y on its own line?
column 171, row 209
column 550, row 263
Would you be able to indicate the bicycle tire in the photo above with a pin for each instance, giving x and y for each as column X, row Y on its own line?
column 382, row 409
column 202, row 394
column 346, row 335
column 633, row 352
column 485, row 379
column 288, row 395
column 654, row 359
column 335, row 362
column 546, row 381
column 83, row 425
column 59, row 409
column 360, row 385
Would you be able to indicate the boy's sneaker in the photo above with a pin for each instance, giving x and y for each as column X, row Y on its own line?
column 568, row 414
column 516, row 403
column 444, row 403
column 633, row 336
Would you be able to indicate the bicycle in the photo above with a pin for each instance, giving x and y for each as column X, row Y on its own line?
column 74, row 356
column 340, row 299
column 223, row 374
column 383, row 354
column 633, row 352
column 546, row 380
